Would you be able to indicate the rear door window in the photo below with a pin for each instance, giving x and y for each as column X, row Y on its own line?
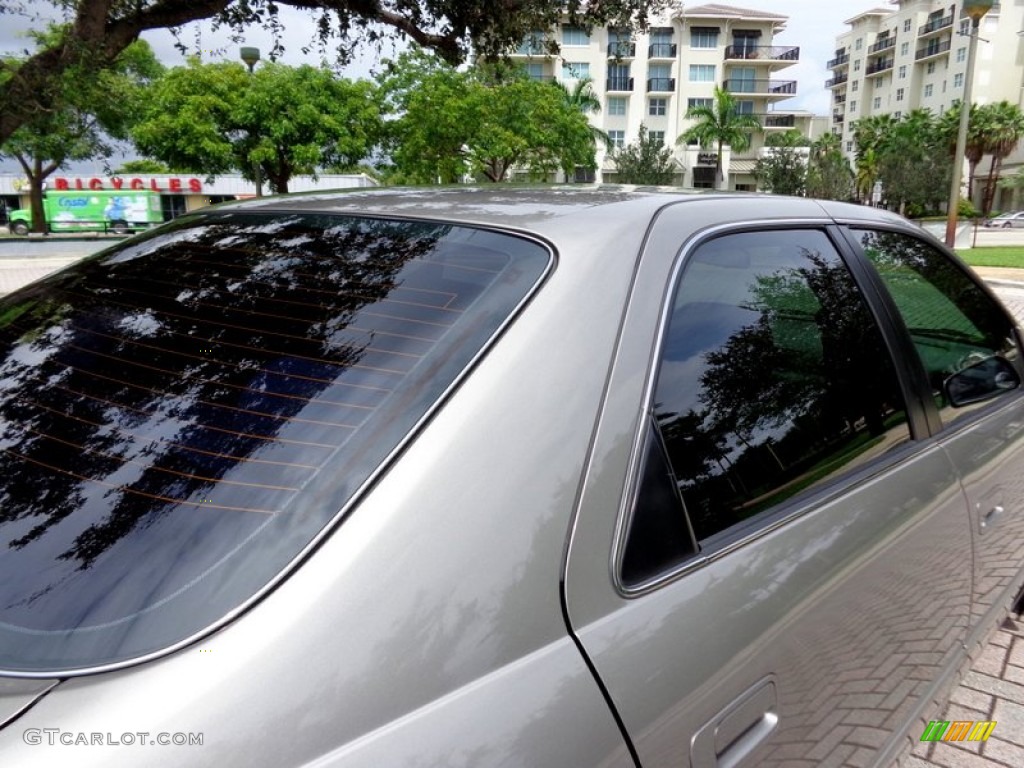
column 182, row 416
column 773, row 381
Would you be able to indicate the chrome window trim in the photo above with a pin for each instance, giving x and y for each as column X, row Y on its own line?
column 385, row 464
column 771, row 522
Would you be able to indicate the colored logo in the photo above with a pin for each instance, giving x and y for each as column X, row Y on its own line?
column 958, row 730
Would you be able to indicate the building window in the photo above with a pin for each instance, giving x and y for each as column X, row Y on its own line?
column 856, row 66
column 575, row 70
column 899, row 94
column 574, row 35
column 702, row 73
column 616, row 105
column 965, row 26
column 744, row 107
column 617, row 139
column 534, row 69
column 897, row 114
column 657, row 136
column 931, row 68
column 961, row 55
column 849, row 146
column 691, row 103
column 907, row 23
column 903, row 72
column 858, row 44
column 958, row 80
column 928, row 90
column 853, row 106
column 657, row 107
column 855, row 86
column 877, row 103
column 704, row 37
column 943, row 86
column 879, row 82
column 904, row 49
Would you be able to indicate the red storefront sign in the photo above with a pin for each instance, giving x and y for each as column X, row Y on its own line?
column 173, row 185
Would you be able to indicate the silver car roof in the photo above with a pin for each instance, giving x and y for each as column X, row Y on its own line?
column 548, row 209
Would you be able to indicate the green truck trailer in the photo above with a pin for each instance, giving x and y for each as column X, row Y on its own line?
column 95, row 210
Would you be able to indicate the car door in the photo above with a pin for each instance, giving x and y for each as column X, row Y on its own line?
column 767, row 566
column 964, row 336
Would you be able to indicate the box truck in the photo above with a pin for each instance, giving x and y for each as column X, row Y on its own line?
column 102, row 210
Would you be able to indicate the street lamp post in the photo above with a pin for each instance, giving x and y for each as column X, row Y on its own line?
column 976, row 9
column 250, row 56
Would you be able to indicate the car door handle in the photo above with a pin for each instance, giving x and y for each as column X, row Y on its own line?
column 734, row 734
column 990, row 518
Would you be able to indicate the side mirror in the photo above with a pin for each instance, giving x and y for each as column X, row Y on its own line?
column 982, row 381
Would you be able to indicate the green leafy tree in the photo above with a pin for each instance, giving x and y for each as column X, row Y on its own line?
column 829, row 176
column 645, row 161
column 913, row 166
column 719, row 125
column 91, row 110
column 215, row 118
column 99, row 30
column 482, row 121
column 783, row 167
column 142, row 165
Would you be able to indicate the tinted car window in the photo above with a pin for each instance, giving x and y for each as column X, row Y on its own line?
column 956, row 327
column 180, row 417
column 774, row 378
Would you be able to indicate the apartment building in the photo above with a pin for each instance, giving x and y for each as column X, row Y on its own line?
column 653, row 78
column 913, row 55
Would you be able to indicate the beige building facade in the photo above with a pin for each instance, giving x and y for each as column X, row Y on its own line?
column 653, row 78
column 912, row 54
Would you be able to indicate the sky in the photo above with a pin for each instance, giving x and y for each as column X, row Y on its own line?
column 813, row 26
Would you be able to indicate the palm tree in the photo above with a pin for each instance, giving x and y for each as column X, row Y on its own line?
column 866, row 174
column 582, row 97
column 718, row 125
column 978, row 131
column 1007, row 129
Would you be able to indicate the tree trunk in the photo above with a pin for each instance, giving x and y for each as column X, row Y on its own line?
column 720, row 177
column 990, row 184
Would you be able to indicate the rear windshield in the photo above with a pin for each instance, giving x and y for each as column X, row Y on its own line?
column 182, row 416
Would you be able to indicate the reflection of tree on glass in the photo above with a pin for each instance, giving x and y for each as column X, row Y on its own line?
column 953, row 323
column 217, row 387
column 775, row 376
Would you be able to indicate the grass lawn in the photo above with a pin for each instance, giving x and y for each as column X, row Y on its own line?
column 994, row 256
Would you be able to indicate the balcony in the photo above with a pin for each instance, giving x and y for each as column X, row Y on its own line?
column 882, row 45
column 839, row 98
column 532, row 48
column 661, row 51
column 879, row 66
column 661, row 84
column 764, row 87
column 935, row 25
column 621, row 50
column 767, row 53
column 777, row 121
column 933, row 49
column 619, row 84
column 839, row 61
column 837, row 80
column 838, row 117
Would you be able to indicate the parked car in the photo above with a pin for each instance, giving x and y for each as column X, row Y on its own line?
column 1007, row 220
column 553, row 477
